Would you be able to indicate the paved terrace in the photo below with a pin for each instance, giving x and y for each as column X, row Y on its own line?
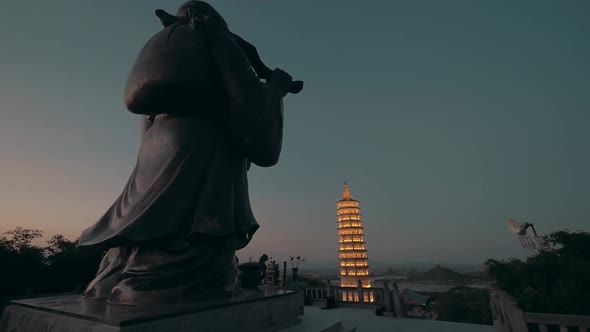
column 366, row 321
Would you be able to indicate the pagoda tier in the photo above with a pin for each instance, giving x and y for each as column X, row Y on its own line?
column 354, row 265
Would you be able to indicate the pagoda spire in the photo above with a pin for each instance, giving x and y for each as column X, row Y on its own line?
column 346, row 194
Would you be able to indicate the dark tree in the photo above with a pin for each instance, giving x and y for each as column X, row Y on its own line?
column 31, row 270
column 59, row 244
column 70, row 266
column 553, row 281
column 22, row 263
column 464, row 305
column 19, row 239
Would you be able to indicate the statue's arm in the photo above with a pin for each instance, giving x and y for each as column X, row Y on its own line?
column 255, row 107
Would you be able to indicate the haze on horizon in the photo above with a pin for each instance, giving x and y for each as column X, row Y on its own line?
column 446, row 119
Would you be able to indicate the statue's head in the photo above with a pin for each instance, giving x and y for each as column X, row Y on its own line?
column 201, row 8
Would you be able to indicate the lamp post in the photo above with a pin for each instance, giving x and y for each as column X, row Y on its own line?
column 295, row 266
column 533, row 243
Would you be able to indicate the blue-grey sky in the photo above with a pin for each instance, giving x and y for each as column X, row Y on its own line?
column 445, row 117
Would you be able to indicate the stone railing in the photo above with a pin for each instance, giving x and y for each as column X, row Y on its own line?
column 508, row 317
column 543, row 321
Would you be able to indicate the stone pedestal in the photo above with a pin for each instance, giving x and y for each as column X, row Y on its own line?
column 266, row 311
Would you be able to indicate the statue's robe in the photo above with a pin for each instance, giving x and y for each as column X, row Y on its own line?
column 188, row 192
column 190, row 177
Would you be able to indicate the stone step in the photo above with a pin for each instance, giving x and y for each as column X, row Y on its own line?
column 319, row 324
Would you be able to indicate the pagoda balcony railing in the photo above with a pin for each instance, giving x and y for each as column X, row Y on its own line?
column 356, row 265
column 342, row 215
column 509, row 317
column 347, row 295
column 351, row 227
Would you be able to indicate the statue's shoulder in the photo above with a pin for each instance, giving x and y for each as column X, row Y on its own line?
column 175, row 60
column 226, row 51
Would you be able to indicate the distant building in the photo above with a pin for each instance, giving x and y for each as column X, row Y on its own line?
column 354, row 266
column 417, row 304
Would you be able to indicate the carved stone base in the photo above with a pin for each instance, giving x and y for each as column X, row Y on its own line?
column 256, row 311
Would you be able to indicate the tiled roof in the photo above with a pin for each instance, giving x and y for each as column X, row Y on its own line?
column 412, row 297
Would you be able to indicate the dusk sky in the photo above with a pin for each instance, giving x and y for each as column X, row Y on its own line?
column 446, row 118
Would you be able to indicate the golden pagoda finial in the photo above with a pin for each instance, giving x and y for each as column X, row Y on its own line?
column 346, row 194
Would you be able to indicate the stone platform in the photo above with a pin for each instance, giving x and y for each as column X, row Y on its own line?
column 268, row 311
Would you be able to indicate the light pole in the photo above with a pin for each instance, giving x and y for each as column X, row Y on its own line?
column 533, row 243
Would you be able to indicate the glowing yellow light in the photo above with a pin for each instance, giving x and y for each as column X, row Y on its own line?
column 348, row 211
column 352, row 252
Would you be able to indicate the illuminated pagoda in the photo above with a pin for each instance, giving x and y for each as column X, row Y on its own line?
column 354, row 266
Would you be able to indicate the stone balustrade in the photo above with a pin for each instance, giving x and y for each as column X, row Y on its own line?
column 508, row 317
column 543, row 321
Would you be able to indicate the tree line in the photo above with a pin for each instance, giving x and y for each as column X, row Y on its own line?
column 555, row 280
column 60, row 266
